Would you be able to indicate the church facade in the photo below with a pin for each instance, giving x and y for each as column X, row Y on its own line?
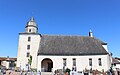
column 53, row 52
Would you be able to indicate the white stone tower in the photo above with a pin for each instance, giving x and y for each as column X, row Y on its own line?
column 28, row 45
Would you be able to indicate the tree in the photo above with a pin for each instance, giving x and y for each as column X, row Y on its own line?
column 30, row 60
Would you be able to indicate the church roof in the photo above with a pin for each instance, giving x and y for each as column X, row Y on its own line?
column 70, row 45
column 115, row 61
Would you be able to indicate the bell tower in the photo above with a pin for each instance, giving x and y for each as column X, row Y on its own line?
column 31, row 26
column 28, row 45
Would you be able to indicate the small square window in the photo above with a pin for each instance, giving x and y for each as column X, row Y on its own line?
column 28, row 46
column 29, row 38
column 28, row 54
column 29, row 30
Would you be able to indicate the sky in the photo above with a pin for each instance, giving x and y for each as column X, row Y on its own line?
column 66, row 17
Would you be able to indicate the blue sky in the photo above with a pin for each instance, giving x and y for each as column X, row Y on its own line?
column 68, row 17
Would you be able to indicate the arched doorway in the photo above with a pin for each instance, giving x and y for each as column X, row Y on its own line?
column 46, row 65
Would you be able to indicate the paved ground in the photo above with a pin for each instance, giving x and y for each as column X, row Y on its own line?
column 16, row 73
column 12, row 73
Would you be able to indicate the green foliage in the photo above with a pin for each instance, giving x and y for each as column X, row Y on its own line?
column 30, row 60
column 34, row 69
column 67, row 70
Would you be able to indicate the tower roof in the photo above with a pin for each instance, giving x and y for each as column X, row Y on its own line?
column 31, row 22
column 32, row 18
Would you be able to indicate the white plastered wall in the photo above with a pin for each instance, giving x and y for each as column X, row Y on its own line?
column 82, row 62
column 33, row 29
column 117, row 66
column 6, row 64
column 22, row 58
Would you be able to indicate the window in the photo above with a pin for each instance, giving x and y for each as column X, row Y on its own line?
column 28, row 54
column 99, row 62
column 64, row 61
column 74, row 62
column 29, row 30
column 74, row 65
column 28, row 46
column 29, row 38
column 90, row 62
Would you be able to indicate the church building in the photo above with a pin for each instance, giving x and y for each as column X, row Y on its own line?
column 53, row 52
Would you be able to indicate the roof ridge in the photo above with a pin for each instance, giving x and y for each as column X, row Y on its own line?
column 63, row 35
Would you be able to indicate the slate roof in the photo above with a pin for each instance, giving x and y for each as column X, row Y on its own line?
column 5, row 58
column 115, row 61
column 70, row 45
